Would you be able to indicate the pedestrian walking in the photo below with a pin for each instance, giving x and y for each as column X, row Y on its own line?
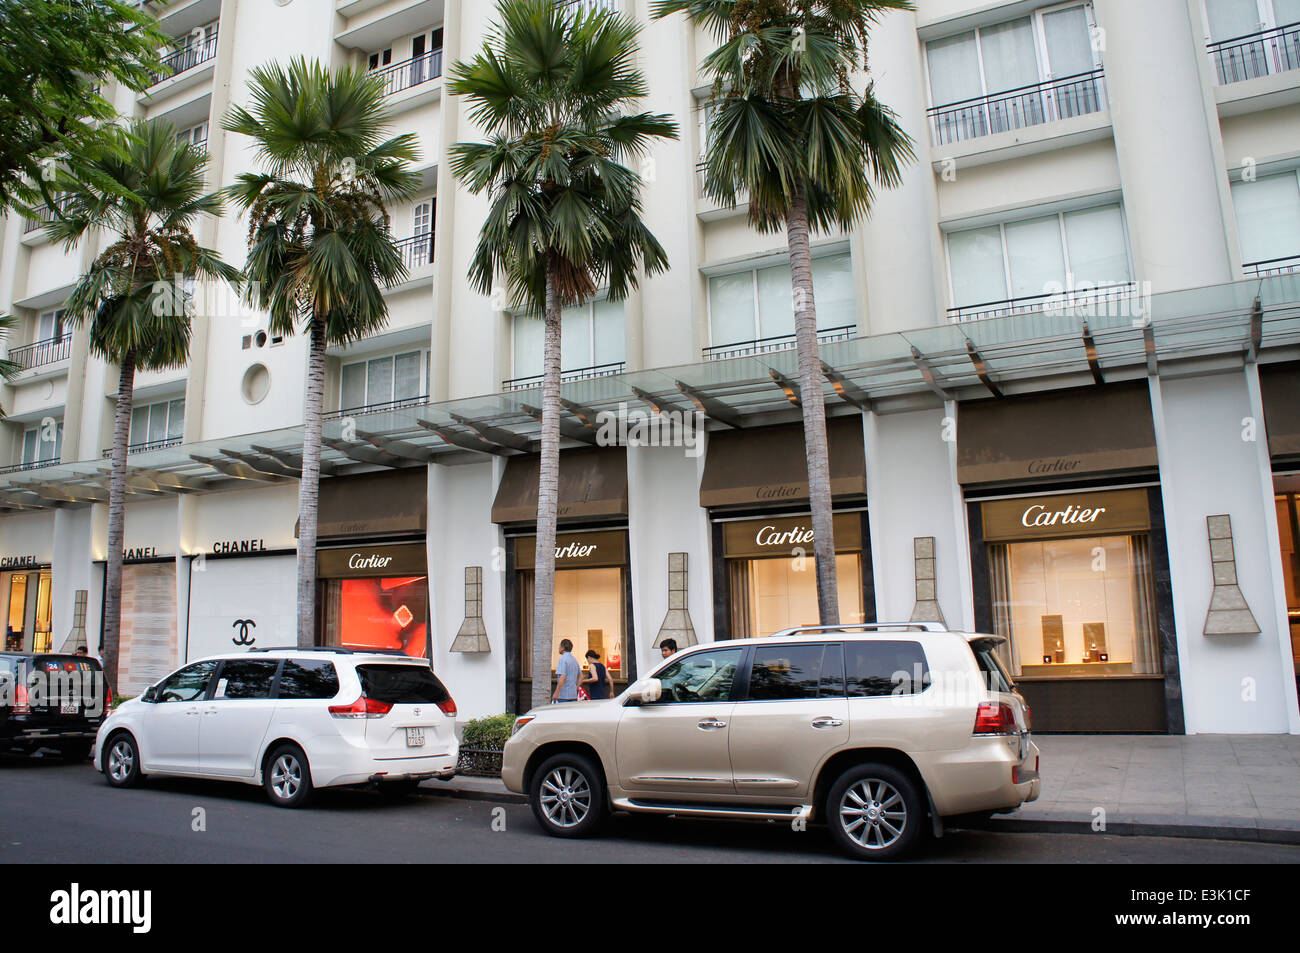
column 667, row 647
column 567, row 673
column 597, row 683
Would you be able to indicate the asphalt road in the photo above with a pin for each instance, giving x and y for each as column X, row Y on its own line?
column 59, row 813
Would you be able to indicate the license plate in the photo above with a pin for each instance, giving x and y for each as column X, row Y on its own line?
column 68, row 708
column 415, row 737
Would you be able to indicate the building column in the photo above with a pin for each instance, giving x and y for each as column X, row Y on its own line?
column 1168, row 142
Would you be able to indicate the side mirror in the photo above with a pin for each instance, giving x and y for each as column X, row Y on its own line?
column 150, row 694
column 646, row 691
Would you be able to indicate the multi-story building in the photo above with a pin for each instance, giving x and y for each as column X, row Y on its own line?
column 1061, row 373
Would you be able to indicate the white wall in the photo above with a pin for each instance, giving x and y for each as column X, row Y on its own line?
column 665, row 516
column 222, row 591
column 1206, row 469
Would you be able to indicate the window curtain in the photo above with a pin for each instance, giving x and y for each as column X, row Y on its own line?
column 739, row 581
column 1000, row 586
column 1010, row 63
column 954, row 78
column 529, row 335
column 1068, row 39
column 1035, row 257
column 1098, row 250
column 975, row 257
column 775, row 302
column 406, row 375
column 1146, row 646
column 833, row 290
column 332, row 633
column 609, row 333
column 575, row 338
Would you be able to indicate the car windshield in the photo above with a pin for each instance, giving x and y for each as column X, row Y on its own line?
column 401, row 684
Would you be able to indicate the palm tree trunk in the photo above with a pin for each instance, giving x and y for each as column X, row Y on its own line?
column 110, row 646
column 309, row 485
column 548, row 480
column 814, row 409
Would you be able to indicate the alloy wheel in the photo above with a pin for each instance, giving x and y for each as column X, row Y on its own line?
column 121, row 759
column 566, row 796
column 873, row 813
column 286, row 777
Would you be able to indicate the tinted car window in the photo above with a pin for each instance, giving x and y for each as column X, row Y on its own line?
column 401, row 684
column 885, row 668
column 246, row 678
column 787, row 671
column 991, row 667
column 187, row 685
column 702, row 677
column 308, row 678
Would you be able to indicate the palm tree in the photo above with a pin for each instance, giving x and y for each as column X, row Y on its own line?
column 142, row 186
column 319, row 248
column 790, row 130
column 553, row 90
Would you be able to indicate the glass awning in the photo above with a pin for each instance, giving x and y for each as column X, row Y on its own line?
column 958, row 361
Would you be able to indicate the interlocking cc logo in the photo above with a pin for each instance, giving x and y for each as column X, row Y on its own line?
column 243, row 625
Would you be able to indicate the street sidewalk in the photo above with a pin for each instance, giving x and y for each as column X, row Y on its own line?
column 1226, row 787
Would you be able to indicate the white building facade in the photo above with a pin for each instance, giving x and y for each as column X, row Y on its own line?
column 1062, row 376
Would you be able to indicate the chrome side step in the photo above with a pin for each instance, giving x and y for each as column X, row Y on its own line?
column 739, row 812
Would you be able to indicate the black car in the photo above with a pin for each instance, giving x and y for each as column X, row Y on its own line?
column 50, row 700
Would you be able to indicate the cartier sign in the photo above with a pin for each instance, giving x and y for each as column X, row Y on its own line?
column 782, row 536
column 603, row 548
column 1070, row 514
column 371, row 561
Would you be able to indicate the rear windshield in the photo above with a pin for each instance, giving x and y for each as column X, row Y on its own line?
column 401, row 684
column 995, row 673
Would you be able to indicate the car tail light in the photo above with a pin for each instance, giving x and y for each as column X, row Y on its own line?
column 995, row 718
column 21, row 707
column 448, row 707
column 108, row 696
column 363, row 707
column 1029, row 725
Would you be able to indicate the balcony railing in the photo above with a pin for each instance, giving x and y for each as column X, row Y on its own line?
column 412, row 72
column 45, row 214
column 398, row 404
column 186, row 58
column 40, row 353
column 1273, row 266
column 1100, row 297
column 148, row 445
column 1256, row 54
column 416, row 251
column 782, row 342
column 1048, row 101
column 30, row 465
column 576, row 374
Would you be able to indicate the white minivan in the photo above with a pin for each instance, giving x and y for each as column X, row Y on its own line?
column 289, row 719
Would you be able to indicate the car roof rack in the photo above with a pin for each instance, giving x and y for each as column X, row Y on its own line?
column 859, row 627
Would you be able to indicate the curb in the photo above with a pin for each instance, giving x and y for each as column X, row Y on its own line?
column 1194, row 831
column 1135, row 828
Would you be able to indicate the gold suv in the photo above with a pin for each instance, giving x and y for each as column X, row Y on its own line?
column 879, row 731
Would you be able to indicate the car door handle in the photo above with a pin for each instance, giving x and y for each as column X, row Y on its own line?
column 712, row 724
column 827, row 722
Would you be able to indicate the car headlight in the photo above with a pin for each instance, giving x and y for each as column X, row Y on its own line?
column 519, row 724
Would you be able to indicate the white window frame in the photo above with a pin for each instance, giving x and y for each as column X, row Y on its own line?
column 188, row 135
column 392, row 354
column 59, row 330
column 835, row 251
column 404, row 45
column 600, row 297
column 58, row 443
column 1027, row 216
column 1237, row 177
column 1040, row 47
column 149, row 408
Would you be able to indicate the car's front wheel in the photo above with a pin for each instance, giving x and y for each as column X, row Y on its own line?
column 122, row 761
column 287, row 776
column 875, row 812
column 568, row 795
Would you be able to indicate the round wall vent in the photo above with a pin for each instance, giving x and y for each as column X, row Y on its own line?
column 256, row 384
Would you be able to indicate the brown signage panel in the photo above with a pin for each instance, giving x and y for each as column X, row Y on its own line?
column 780, row 536
column 1058, row 434
column 593, row 483
column 352, row 562
column 576, row 550
column 374, row 504
column 1279, row 385
column 769, row 465
column 1100, row 513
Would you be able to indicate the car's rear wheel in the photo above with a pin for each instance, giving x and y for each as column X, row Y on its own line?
column 875, row 812
column 568, row 795
column 122, row 761
column 287, row 776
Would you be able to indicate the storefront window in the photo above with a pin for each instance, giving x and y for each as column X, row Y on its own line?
column 590, row 598
column 375, row 597
column 1288, row 521
column 43, row 637
column 1072, row 604
column 772, row 573
column 148, row 642
column 17, row 608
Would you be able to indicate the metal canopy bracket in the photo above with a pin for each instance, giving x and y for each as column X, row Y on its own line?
column 463, row 440
column 658, row 404
column 1149, row 345
column 397, row 448
column 1090, row 346
column 499, row 435
column 361, row 453
column 293, row 460
column 790, row 388
column 589, row 417
column 235, row 468
column 1256, row 331
column 573, row 429
column 982, row 370
column 848, row 391
column 268, row 465
column 711, row 406
column 927, row 374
